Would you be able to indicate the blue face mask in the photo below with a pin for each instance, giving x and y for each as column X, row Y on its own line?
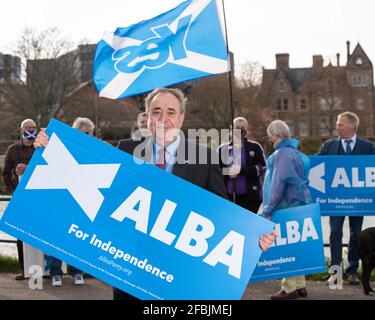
column 29, row 134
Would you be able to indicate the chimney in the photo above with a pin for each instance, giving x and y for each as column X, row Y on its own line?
column 317, row 62
column 338, row 59
column 282, row 60
column 347, row 51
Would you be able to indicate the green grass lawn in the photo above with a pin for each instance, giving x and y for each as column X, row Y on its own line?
column 9, row 264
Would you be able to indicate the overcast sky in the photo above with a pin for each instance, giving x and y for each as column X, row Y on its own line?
column 257, row 28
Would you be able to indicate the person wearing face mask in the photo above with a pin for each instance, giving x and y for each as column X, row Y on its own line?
column 243, row 179
column 16, row 160
column 286, row 186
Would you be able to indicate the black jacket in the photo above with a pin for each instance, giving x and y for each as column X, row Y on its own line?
column 253, row 170
column 207, row 176
column 334, row 147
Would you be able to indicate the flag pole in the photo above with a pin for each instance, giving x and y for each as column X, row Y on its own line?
column 231, row 95
column 230, row 74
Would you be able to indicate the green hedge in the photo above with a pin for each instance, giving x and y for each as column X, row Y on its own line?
column 9, row 264
column 311, row 145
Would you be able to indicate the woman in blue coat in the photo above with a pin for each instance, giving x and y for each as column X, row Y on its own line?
column 286, row 186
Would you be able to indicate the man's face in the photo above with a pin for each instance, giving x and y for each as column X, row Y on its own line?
column 345, row 129
column 29, row 126
column 243, row 126
column 165, row 114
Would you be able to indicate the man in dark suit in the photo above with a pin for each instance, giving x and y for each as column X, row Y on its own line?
column 244, row 186
column 347, row 143
column 168, row 150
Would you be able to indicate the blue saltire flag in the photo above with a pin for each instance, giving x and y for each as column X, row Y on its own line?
column 185, row 43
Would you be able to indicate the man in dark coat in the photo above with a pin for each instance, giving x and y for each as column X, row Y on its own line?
column 347, row 143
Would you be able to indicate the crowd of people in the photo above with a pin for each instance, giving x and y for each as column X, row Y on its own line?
column 257, row 184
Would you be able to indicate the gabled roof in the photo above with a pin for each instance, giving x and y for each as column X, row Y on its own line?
column 297, row 77
column 358, row 51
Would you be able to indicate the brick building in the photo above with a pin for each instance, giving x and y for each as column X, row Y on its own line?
column 10, row 68
column 309, row 99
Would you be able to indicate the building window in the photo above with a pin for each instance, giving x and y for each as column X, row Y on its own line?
column 303, row 104
column 331, row 84
column 281, row 86
column 285, row 104
column 279, row 105
column 330, row 103
column 304, row 130
column 324, row 126
column 282, row 104
column 360, row 103
column 324, row 106
column 359, row 81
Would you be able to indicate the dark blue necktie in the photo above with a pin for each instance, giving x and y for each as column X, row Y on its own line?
column 348, row 150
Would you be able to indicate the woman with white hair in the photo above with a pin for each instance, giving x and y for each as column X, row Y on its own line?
column 286, row 186
column 84, row 125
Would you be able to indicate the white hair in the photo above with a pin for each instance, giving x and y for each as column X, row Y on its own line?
column 240, row 119
column 23, row 123
column 278, row 128
column 83, row 122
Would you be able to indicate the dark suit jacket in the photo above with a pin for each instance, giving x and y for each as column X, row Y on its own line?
column 207, row 176
column 334, row 147
column 254, row 168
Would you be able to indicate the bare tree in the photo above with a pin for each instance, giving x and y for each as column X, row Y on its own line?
column 48, row 74
column 249, row 74
column 209, row 102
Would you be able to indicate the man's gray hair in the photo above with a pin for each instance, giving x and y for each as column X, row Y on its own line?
column 83, row 122
column 351, row 116
column 242, row 119
column 27, row 120
column 278, row 128
column 176, row 92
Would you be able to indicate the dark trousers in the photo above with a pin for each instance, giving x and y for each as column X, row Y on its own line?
column 355, row 225
column 244, row 201
column 56, row 268
column 20, row 255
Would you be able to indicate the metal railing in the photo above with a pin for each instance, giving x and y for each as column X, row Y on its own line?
column 7, row 241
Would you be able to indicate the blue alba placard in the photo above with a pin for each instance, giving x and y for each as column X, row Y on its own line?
column 343, row 185
column 298, row 249
column 134, row 226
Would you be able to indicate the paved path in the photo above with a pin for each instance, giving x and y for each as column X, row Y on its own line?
column 93, row 289
column 97, row 290
column 317, row 290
